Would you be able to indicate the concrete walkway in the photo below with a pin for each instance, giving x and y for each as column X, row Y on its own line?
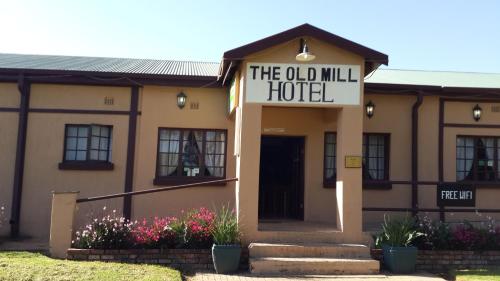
column 381, row 277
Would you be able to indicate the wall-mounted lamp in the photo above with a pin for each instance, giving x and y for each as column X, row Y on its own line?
column 303, row 54
column 476, row 112
column 181, row 100
column 370, row 109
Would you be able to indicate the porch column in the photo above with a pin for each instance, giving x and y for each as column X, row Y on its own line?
column 349, row 180
column 247, row 170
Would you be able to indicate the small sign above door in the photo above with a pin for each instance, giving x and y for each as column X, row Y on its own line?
column 456, row 194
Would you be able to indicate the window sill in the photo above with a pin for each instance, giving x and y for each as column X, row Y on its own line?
column 373, row 185
column 329, row 184
column 482, row 184
column 171, row 181
column 86, row 166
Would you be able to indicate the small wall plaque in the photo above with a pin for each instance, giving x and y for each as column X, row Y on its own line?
column 353, row 161
column 194, row 105
column 109, row 100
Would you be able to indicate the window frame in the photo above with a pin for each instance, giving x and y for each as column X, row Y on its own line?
column 496, row 146
column 329, row 182
column 382, row 183
column 367, row 184
column 178, row 179
column 87, row 164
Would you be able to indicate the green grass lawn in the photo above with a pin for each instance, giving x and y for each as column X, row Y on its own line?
column 21, row 266
column 478, row 275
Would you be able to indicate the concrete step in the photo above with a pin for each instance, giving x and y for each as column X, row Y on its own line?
column 312, row 266
column 316, row 250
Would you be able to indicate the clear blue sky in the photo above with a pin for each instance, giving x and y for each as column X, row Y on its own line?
column 459, row 35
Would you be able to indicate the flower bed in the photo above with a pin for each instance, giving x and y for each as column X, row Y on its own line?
column 181, row 242
column 465, row 236
column 191, row 231
column 444, row 246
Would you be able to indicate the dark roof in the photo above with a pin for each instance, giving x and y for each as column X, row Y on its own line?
column 108, row 65
column 306, row 29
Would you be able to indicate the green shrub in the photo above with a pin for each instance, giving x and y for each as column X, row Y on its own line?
column 397, row 232
column 225, row 230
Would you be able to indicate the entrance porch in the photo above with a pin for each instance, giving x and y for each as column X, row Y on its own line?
column 268, row 134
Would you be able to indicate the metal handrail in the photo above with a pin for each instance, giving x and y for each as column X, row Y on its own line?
column 175, row 187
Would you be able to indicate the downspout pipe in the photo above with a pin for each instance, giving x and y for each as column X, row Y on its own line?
column 17, row 189
column 414, row 152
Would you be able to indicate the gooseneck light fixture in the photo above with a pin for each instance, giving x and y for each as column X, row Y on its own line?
column 304, row 54
column 370, row 109
column 476, row 112
column 181, row 100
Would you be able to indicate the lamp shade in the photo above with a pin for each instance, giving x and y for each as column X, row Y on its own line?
column 181, row 100
column 476, row 112
column 304, row 54
column 370, row 109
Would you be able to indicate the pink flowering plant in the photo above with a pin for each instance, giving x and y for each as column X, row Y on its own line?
column 198, row 228
column 483, row 235
column 107, row 232
column 158, row 234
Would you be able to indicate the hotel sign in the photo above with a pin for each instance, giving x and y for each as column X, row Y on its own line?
column 303, row 84
column 456, row 194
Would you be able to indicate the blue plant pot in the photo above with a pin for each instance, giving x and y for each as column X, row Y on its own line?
column 400, row 259
column 226, row 258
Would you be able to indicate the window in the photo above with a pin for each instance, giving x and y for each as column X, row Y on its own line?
column 330, row 161
column 477, row 158
column 190, row 154
column 87, row 147
column 375, row 157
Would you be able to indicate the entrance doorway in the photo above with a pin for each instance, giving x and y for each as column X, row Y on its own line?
column 281, row 183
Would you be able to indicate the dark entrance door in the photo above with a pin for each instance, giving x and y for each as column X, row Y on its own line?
column 281, row 183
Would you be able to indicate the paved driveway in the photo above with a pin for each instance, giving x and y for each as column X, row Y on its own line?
column 380, row 277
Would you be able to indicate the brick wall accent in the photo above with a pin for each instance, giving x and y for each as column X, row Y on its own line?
column 444, row 261
column 185, row 259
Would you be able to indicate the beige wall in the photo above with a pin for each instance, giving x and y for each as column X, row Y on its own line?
column 389, row 108
column 9, row 98
column 79, row 97
column 44, row 151
column 159, row 109
column 392, row 116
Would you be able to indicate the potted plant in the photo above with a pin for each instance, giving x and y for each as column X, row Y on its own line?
column 226, row 250
column 396, row 241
